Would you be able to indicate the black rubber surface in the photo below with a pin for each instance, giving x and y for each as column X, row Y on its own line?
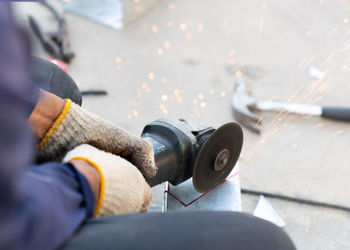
column 205, row 230
column 336, row 113
column 53, row 79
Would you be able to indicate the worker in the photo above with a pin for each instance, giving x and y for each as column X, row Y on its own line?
column 89, row 192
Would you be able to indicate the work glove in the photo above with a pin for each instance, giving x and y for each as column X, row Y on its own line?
column 123, row 189
column 76, row 126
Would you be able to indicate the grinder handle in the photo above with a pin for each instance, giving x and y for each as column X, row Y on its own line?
column 336, row 113
column 163, row 158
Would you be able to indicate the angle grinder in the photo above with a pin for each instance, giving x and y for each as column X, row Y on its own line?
column 184, row 149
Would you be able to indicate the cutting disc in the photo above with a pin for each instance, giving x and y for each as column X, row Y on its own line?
column 217, row 157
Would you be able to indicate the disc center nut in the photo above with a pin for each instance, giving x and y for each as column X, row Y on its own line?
column 221, row 159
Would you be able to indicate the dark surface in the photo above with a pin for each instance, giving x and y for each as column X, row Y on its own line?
column 181, row 230
column 52, row 78
column 336, row 113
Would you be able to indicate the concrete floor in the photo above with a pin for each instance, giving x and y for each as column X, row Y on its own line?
column 187, row 69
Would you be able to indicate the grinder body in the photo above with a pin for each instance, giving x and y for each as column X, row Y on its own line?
column 176, row 144
column 185, row 149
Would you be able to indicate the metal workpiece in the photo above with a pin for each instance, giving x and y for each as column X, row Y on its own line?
column 224, row 197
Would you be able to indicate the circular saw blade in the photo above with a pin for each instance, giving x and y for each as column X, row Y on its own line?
column 217, row 157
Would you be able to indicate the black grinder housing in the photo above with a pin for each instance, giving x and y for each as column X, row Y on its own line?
column 185, row 149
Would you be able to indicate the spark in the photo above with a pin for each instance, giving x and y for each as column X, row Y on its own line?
column 346, row 20
column 321, row 2
column 203, row 105
column 160, row 51
column 291, row 118
column 223, row 93
column 171, row 7
column 136, row 114
column 296, row 93
column 345, row 48
column 164, row 98
column 164, row 80
column 200, row 26
column 155, row 28
column 189, row 36
column 333, row 31
column 259, row 121
column 163, row 109
column 308, row 33
column 136, row 1
column 343, row 68
column 151, row 76
column 302, row 62
column 170, row 24
column 195, row 101
column 211, row 91
column 328, row 58
column 264, row 6
column 146, row 87
column 321, row 124
column 176, row 92
column 183, row 26
column 308, row 62
column 311, row 89
column 179, row 99
column 239, row 73
column 200, row 96
column 260, row 30
column 336, row 133
column 167, row 45
column 223, row 25
column 118, row 59
column 231, row 62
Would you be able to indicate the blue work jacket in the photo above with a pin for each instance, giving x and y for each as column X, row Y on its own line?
column 41, row 206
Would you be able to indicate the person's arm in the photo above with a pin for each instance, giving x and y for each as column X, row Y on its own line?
column 40, row 206
column 46, row 111
column 90, row 173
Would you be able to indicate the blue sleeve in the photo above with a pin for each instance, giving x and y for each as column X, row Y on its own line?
column 40, row 206
column 45, row 207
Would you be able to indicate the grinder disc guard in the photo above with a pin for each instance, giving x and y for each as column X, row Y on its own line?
column 217, row 157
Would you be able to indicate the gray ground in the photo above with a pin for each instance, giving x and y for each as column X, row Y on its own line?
column 273, row 43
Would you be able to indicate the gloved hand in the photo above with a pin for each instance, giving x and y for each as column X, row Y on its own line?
column 76, row 126
column 123, row 189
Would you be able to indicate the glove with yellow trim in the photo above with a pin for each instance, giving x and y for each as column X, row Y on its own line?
column 123, row 189
column 76, row 126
